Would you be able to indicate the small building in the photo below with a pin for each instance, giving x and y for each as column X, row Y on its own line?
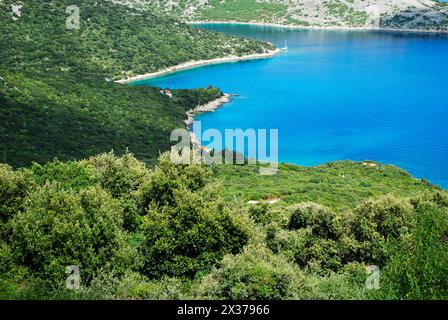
column 167, row 92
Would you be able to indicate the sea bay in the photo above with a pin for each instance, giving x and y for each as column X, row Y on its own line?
column 337, row 95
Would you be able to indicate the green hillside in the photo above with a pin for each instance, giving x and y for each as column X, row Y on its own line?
column 338, row 185
column 56, row 92
column 174, row 232
column 141, row 228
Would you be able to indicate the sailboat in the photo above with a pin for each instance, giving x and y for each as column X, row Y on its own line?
column 286, row 45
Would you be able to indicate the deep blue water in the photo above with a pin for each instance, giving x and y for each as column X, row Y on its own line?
column 338, row 95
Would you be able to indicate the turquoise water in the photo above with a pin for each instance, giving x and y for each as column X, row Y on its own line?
column 338, row 95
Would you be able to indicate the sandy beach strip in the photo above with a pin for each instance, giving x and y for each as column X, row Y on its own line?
column 195, row 64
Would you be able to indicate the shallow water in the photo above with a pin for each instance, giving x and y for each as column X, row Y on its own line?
column 338, row 95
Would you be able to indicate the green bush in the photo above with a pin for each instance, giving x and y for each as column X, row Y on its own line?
column 375, row 222
column 118, row 175
column 439, row 197
column 122, row 177
column 388, row 216
column 301, row 215
column 188, row 227
column 418, row 267
column 255, row 274
column 320, row 255
column 69, row 175
column 323, row 222
column 14, row 187
column 260, row 213
column 60, row 227
column 136, row 286
column 6, row 258
column 307, row 250
column 167, row 178
column 346, row 284
column 62, row 214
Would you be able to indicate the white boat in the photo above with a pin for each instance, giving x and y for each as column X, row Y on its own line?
column 286, row 45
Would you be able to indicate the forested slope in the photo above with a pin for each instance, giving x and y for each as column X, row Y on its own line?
column 57, row 96
column 187, row 231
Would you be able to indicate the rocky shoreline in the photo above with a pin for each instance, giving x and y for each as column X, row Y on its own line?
column 329, row 28
column 209, row 107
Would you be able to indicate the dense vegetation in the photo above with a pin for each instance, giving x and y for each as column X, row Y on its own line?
column 169, row 232
column 57, row 97
column 172, row 232
column 352, row 181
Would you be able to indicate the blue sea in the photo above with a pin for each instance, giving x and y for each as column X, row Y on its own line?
column 338, row 95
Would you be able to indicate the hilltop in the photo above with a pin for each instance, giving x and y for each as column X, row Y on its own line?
column 385, row 14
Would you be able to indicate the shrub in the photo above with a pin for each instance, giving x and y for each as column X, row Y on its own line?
column 323, row 222
column 191, row 229
column 17, row 283
column 301, row 215
column 441, row 198
column 260, row 213
column 190, row 236
column 60, row 227
column 271, row 237
column 137, row 286
column 166, row 178
column 376, row 221
column 307, row 250
column 14, row 186
column 320, row 255
column 346, row 284
column 389, row 216
column 69, row 175
column 419, row 263
column 122, row 177
column 438, row 197
column 6, row 258
column 255, row 274
column 118, row 175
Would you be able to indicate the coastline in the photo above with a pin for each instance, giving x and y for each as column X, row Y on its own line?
column 215, row 104
column 209, row 107
column 200, row 63
column 329, row 28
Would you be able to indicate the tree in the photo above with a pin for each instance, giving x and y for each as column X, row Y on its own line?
column 419, row 261
column 59, row 228
column 188, row 227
